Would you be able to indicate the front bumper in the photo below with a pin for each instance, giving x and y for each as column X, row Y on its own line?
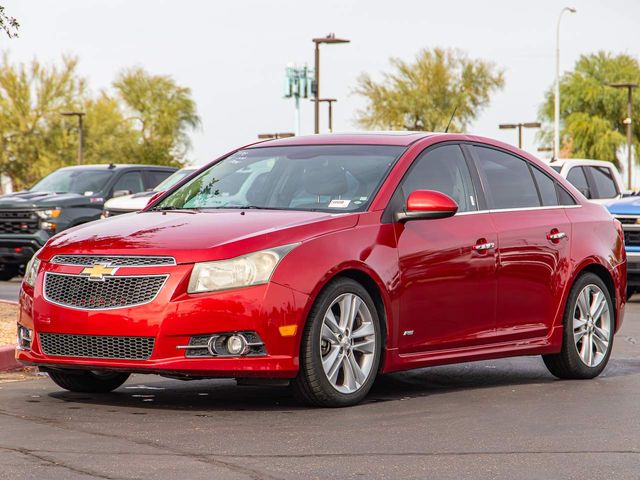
column 18, row 249
column 633, row 268
column 172, row 318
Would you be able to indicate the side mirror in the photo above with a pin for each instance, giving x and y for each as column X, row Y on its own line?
column 153, row 198
column 425, row 204
column 120, row 193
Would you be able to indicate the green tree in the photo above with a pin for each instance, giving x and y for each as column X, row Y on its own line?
column 164, row 112
column 593, row 112
column 422, row 95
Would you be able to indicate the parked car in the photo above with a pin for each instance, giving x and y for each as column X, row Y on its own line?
column 627, row 212
column 137, row 201
column 597, row 180
column 66, row 198
column 345, row 257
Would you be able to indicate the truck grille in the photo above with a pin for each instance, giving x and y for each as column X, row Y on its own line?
column 632, row 238
column 112, row 292
column 113, row 261
column 94, row 346
column 18, row 222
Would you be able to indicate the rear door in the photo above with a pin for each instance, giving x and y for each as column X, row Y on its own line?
column 533, row 242
column 448, row 265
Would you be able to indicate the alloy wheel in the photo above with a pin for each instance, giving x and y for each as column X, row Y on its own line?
column 347, row 343
column 592, row 325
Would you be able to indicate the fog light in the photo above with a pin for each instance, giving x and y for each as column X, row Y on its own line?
column 236, row 345
column 25, row 337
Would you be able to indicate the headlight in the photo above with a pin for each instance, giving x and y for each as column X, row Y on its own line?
column 31, row 272
column 47, row 214
column 251, row 269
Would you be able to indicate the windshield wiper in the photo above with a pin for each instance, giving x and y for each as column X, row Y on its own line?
column 241, row 207
column 168, row 208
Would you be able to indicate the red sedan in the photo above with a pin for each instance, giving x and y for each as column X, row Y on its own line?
column 327, row 260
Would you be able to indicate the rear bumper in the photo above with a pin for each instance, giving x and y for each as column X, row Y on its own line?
column 172, row 318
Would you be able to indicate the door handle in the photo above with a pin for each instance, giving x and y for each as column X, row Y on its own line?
column 481, row 247
column 555, row 236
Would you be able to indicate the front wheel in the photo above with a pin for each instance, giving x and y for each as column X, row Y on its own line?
column 589, row 324
column 89, row 382
column 341, row 347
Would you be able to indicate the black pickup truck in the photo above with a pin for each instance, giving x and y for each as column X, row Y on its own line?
column 67, row 197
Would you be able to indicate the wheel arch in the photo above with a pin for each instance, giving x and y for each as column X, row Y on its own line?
column 598, row 269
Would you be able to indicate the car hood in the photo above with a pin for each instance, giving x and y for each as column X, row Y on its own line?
column 625, row 206
column 29, row 200
column 195, row 236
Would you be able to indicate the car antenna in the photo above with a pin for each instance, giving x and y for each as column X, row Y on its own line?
column 446, row 130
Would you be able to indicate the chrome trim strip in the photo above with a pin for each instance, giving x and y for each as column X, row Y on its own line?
column 523, row 209
column 87, row 264
column 44, row 292
column 634, row 255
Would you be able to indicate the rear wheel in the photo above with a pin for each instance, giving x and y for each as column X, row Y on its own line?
column 89, row 382
column 589, row 325
column 341, row 347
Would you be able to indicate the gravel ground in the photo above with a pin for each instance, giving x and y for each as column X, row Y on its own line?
column 8, row 316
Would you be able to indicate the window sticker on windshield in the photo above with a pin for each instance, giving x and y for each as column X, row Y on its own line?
column 339, row 203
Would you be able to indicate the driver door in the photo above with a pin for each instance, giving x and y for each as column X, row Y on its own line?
column 448, row 284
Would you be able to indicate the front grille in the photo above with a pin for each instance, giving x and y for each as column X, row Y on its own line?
column 632, row 238
column 94, row 346
column 112, row 292
column 628, row 220
column 18, row 222
column 113, row 261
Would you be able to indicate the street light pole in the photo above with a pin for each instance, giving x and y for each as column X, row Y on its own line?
column 330, row 102
column 80, row 132
column 331, row 38
column 628, row 122
column 519, row 126
column 556, row 106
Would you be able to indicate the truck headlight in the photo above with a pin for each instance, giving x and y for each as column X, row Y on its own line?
column 48, row 214
column 31, row 271
column 252, row 269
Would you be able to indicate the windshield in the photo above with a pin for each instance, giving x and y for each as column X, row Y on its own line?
column 332, row 178
column 84, row 182
column 174, row 178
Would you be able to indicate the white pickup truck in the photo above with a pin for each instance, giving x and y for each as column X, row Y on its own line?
column 597, row 180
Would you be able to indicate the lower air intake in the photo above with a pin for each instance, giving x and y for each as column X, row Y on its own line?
column 94, row 346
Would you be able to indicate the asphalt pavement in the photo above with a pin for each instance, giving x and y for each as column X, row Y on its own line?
column 9, row 290
column 507, row 419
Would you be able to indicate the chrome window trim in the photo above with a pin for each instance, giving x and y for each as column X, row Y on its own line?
column 44, row 292
column 522, row 209
column 87, row 264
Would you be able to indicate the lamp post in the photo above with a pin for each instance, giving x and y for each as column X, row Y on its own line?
column 80, row 132
column 330, row 102
column 627, row 121
column 331, row 38
column 519, row 126
column 556, row 106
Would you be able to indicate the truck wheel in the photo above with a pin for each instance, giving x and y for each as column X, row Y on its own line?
column 7, row 272
column 89, row 382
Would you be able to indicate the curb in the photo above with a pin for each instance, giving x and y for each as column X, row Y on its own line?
column 8, row 358
column 9, row 302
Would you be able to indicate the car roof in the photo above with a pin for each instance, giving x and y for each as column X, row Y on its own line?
column 400, row 138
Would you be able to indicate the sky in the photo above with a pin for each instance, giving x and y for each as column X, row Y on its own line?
column 233, row 53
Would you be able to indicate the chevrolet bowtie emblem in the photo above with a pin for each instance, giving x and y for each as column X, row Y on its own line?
column 98, row 271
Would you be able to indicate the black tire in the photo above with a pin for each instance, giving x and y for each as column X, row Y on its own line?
column 89, row 382
column 567, row 364
column 630, row 292
column 312, row 386
column 7, row 272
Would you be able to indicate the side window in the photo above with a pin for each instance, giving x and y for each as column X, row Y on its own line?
column 577, row 178
column 445, row 170
column 564, row 198
column 507, row 179
column 546, row 187
column 131, row 181
column 605, row 184
column 156, row 177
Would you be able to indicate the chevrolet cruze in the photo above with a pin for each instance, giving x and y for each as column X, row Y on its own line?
column 327, row 260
